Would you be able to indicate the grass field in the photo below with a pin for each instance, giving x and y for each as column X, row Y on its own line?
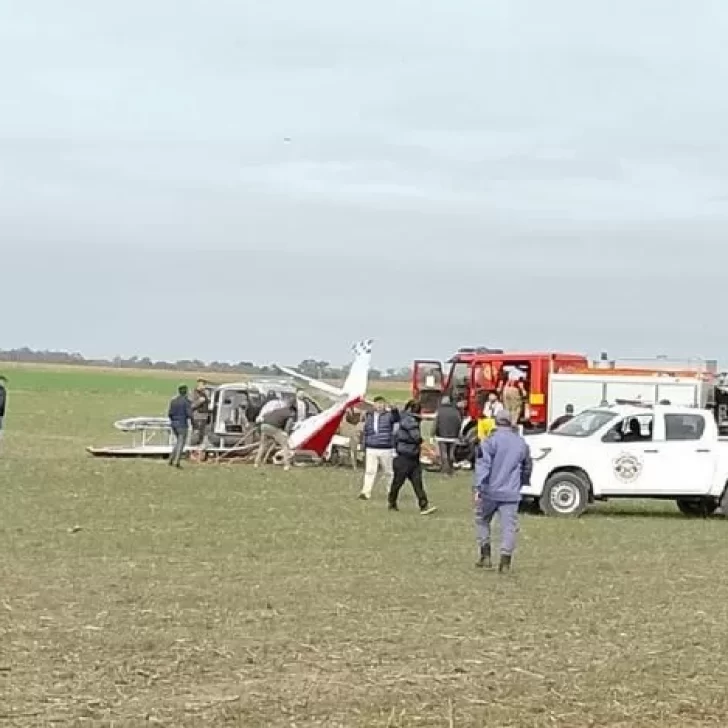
column 220, row 595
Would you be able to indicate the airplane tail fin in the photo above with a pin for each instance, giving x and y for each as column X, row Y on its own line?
column 315, row 434
column 357, row 380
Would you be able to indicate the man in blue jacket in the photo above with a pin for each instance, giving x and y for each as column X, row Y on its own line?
column 180, row 416
column 378, row 435
column 502, row 467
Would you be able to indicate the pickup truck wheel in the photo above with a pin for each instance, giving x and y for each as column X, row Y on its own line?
column 565, row 494
column 697, row 507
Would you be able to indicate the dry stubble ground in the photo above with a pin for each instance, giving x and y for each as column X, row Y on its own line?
column 132, row 595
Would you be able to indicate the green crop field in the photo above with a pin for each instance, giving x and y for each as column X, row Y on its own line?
column 134, row 595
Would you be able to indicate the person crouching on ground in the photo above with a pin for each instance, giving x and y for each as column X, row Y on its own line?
column 502, row 467
column 378, row 435
column 446, row 430
column 407, row 466
column 180, row 415
column 275, row 427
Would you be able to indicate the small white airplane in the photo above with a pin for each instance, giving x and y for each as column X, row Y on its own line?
column 316, row 433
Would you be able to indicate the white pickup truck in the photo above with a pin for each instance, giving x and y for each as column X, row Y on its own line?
column 626, row 451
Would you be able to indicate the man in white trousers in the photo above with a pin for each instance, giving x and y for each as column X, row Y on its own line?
column 378, row 434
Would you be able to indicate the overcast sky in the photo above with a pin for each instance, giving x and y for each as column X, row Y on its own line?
column 273, row 179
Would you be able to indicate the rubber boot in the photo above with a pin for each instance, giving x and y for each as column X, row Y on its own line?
column 484, row 562
column 505, row 564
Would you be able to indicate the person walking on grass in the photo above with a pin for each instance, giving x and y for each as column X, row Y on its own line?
column 275, row 428
column 3, row 404
column 406, row 465
column 446, row 431
column 180, row 416
column 378, row 435
column 502, row 467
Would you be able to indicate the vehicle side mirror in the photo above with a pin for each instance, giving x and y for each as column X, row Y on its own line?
column 611, row 436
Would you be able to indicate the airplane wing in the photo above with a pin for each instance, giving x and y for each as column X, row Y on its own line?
column 315, row 434
column 315, row 383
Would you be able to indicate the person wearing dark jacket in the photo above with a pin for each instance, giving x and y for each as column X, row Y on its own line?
column 502, row 467
column 275, row 427
column 446, row 431
column 3, row 403
column 180, row 415
column 378, row 436
column 406, row 465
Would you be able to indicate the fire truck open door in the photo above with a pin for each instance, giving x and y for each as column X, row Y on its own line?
column 427, row 384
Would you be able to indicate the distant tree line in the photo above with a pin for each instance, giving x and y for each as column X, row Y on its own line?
column 311, row 367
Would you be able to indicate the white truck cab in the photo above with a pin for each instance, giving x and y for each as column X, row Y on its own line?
column 628, row 451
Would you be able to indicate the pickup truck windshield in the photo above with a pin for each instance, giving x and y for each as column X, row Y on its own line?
column 585, row 424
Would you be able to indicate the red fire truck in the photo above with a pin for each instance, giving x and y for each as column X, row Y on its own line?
column 475, row 372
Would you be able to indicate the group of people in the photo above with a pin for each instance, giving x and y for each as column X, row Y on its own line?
column 392, row 442
column 276, row 419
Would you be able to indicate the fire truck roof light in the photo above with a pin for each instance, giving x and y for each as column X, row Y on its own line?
column 478, row 350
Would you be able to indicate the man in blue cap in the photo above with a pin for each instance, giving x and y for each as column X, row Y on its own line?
column 502, row 467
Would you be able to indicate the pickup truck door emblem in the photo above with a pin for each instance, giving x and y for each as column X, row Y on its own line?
column 627, row 467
